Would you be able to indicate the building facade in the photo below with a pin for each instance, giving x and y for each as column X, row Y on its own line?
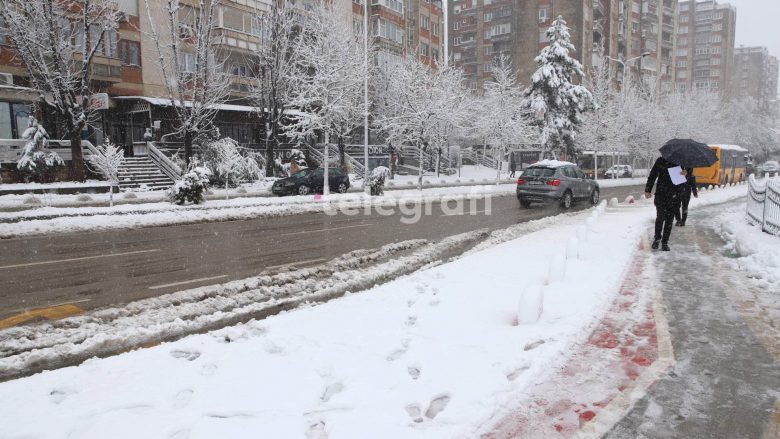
column 640, row 35
column 755, row 76
column 481, row 30
column 704, row 57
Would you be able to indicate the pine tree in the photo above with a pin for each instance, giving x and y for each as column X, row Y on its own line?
column 554, row 101
column 36, row 160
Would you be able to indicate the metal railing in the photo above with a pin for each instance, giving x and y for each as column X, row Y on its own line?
column 166, row 165
column 11, row 149
column 763, row 203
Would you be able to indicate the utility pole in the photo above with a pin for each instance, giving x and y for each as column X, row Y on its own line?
column 365, row 96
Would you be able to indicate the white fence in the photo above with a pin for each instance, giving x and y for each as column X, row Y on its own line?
column 763, row 204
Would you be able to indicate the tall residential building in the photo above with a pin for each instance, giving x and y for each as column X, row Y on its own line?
column 481, row 30
column 704, row 57
column 401, row 28
column 639, row 34
column 755, row 76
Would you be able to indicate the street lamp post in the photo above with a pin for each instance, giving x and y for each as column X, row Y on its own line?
column 625, row 64
column 365, row 97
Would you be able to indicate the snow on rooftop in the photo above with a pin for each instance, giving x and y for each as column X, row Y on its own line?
column 730, row 148
column 553, row 163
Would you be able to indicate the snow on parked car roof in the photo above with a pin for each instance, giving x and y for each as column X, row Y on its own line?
column 553, row 163
column 730, row 148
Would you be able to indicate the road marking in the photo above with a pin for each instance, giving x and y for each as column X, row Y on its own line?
column 85, row 258
column 50, row 313
column 185, row 282
column 70, row 302
column 325, row 230
column 292, row 264
column 471, row 212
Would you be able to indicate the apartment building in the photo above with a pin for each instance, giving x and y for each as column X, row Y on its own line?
column 481, row 30
column 640, row 35
column 704, row 57
column 755, row 76
column 401, row 28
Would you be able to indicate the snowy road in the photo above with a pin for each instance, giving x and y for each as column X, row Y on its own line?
column 82, row 271
column 726, row 380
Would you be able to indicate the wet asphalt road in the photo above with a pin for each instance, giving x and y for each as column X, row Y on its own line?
column 726, row 379
column 97, row 269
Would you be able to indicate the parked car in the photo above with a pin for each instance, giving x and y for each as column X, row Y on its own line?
column 309, row 181
column 771, row 166
column 553, row 181
column 620, row 171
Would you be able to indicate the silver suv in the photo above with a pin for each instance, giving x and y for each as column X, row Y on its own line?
column 554, row 181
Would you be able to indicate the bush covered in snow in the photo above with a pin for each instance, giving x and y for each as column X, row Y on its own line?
column 376, row 182
column 229, row 164
column 36, row 160
column 191, row 186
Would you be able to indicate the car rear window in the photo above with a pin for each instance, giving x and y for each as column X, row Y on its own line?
column 539, row 172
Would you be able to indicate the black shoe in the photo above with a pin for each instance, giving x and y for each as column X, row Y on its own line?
column 665, row 247
column 682, row 224
column 678, row 224
column 655, row 244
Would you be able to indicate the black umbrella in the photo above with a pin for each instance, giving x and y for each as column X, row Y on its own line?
column 688, row 153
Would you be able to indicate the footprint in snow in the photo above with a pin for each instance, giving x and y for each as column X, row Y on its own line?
column 414, row 412
column 410, row 303
column 420, row 289
column 208, row 369
column 187, row 355
column 511, row 376
column 317, row 431
column 414, row 370
column 398, row 353
column 437, row 405
column 183, row 398
column 331, row 390
column 59, row 395
column 180, row 434
column 411, row 320
column 434, row 302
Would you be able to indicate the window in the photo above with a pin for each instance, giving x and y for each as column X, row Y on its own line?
column 715, row 50
column 682, row 52
column 717, row 26
column 716, row 39
column 682, row 41
column 488, row 50
column 108, row 43
column 435, row 54
column 423, row 49
column 543, row 37
column 635, row 8
column 130, row 53
column 634, row 28
column 544, row 14
column 682, row 74
column 682, row 64
column 715, row 61
column 498, row 29
column 456, row 25
column 395, row 5
column 425, row 22
column 684, row 19
column 240, row 70
column 456, row 41
column 684, row 7
column 435, row 29
column 187, row 61
column 488, row 16
column 683, row 30
column 389, row 30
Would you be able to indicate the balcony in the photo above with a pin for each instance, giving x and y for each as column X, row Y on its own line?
column 106, row 69
column 598, row 10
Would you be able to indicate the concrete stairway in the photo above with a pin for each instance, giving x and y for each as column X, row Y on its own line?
column 137, row 171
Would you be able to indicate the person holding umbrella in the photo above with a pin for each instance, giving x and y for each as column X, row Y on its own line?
column 668, row 171
column 667, row 201
column 687, row 188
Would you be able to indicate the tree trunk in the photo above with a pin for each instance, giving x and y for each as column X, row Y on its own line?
column 342, row 155
column 77, row 157
column 269, row 157
column 187, row 149
column 111, row 194
column 325, row 165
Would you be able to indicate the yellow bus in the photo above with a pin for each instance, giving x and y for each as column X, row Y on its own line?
column 729, row 168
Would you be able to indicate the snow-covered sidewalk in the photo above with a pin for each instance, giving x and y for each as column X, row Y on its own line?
column 433, row 354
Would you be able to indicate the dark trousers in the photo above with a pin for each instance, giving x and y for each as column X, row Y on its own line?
column 664, row 221
column 681, row 214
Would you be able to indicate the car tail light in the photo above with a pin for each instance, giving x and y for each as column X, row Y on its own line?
column 520, row 181
column 555, row 183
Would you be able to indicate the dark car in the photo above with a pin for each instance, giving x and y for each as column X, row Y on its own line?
column 554, row 181
column 309, row 181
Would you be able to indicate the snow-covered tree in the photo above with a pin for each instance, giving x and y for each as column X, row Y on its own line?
column 276, row 65
column 601, row 127
column 36, row 159
column 188, row 54
column 418, row 105
column 327, row 84
column 106, row 160
column 57, row 41
column 225, row 161
column 555, row 102
column 503, row 121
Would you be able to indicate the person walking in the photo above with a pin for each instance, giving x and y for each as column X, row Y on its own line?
column 686, row 189
column 512, row 165
column 667, row 200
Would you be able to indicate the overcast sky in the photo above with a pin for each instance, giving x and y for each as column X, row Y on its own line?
column 757, row 23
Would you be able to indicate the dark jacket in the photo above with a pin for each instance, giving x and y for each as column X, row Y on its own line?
column 666, row 193
column 690, row 185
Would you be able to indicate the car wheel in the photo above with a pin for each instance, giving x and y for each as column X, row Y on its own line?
column 567, row 200
column 304, row 190
column 525, row 203
column 342, row 188
column 595, row 197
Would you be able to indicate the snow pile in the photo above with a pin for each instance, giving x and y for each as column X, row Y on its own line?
column 553, row 163
column 758, row 253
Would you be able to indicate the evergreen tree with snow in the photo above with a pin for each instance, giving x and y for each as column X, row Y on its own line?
column 555, row 102
column 36, row 160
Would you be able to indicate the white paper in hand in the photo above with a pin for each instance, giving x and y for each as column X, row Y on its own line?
column 677, row 175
